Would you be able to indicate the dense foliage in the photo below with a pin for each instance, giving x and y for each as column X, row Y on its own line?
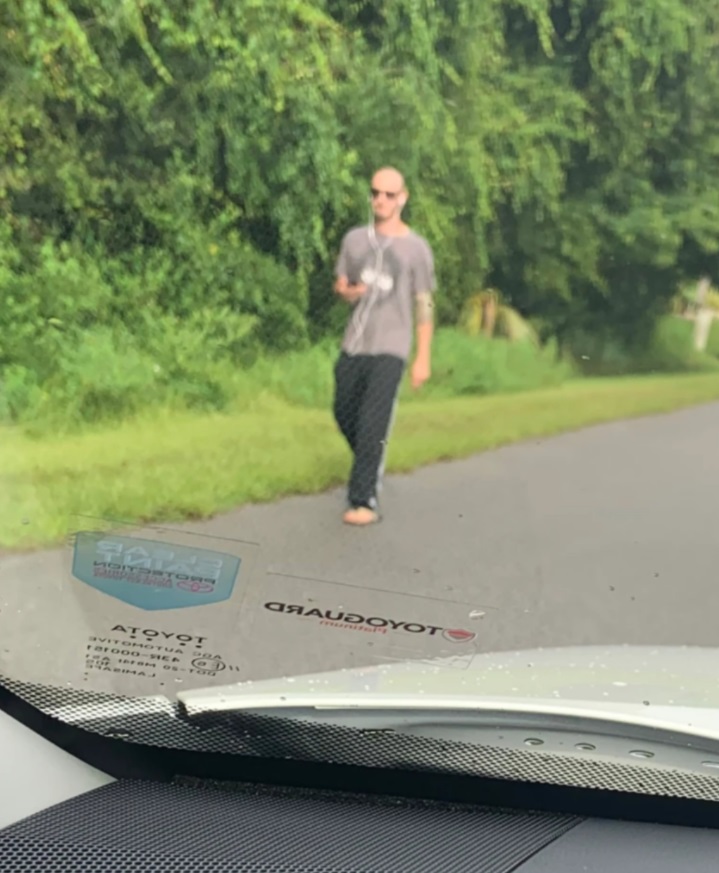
column 175, row 175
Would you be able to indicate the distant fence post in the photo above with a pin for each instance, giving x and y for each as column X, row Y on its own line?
column 703, row 316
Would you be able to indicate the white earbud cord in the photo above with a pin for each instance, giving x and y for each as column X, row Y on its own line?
column 365, row 305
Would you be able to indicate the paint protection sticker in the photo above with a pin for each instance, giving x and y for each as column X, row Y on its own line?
column 130, row 611
column 153, row 574
column 300, row 626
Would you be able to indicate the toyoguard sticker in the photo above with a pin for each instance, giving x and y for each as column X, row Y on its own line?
column 153, row 575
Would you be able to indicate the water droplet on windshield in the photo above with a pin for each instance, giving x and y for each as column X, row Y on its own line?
column 641, row 753
column 713, row 764
column 477, row 613
column 585, row 747
column 534, row 741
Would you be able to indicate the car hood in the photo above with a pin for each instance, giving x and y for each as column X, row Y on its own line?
column 676, row 687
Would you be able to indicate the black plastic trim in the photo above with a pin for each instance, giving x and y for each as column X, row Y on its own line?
column 124, row 759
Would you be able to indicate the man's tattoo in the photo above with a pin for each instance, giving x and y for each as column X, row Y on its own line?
column 424, row 307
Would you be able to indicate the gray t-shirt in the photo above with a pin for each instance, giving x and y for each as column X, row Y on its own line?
column 395, row 270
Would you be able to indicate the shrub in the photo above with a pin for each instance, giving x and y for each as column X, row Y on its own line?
column 477, row 365
column 668, row 350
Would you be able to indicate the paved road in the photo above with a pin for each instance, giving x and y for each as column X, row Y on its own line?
column 607, row 535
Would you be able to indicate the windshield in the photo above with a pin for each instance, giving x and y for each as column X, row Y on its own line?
column 358, row 350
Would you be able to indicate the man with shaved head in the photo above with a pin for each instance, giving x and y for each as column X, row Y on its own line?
column 385, row 273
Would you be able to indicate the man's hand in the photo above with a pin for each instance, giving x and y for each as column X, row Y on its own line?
column 350, row 293
column 421, row 371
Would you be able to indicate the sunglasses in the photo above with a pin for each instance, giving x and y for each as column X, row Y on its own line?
column 390, row 195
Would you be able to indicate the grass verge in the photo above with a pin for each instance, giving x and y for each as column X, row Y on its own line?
column 173, row 467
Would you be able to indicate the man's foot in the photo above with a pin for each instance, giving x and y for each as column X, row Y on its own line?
column 361, row 515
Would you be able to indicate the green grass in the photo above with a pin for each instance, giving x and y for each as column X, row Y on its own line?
column 176, row 466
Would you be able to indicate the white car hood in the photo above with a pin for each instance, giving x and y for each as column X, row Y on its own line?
column 676, row 688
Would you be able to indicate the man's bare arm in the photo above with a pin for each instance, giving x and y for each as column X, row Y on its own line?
column 424, row 318
column 424, row 308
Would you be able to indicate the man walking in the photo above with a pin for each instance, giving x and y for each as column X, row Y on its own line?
column 385, row 272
